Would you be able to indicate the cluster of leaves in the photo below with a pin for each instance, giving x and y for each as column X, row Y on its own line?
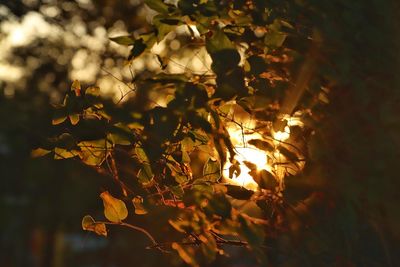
column 151, row 152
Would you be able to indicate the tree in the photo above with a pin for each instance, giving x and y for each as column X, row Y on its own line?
column 268, row 81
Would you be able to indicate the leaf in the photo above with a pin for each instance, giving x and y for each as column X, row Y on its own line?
column 76, row 87
column 239, row 192
column 145, row 174
column 218, row 41
column 260, row 144
column 257, row 65
column 39, row 152
column 141, row 155
column 74, row 119
column 94, row 152
column 212, row 170
column 114, row 209
column 92, row 91
column 157, row 5
column 288, row 154
column 123, row 40
column 250, row 165
column 177, row 190
column 234, row 169
column 120, row 135
column 274, row 39
column 89, row 224
column 165, row 25
column 59, row 116
column 62, row 153
column 186, row 253
column 253, row 233
column 138, row 204
column 264, row 179
column 208, row 246
column 219, row 205
column 138, row 48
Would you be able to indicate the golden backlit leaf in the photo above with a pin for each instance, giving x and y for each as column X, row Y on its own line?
column 114, row 209
column 89, row 224
column 59, row 117
column 39, row 152
column 62, row 153
column 74, row 119
column 138, row 204
column 76, row 87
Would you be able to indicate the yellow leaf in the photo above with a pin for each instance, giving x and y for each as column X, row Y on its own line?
column 76, row 87
column 74, row 118
column 39, row 152
column 138, row 204
column 62, row 153
column 114, row 209
column 58, row 120
column 89, row 224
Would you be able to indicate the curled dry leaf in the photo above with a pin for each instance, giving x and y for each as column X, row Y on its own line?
column 114, row 209
column 138, row 204
column 89, row 224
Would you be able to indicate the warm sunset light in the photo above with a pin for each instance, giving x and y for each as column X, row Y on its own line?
column 272, row 161
column 246, row 152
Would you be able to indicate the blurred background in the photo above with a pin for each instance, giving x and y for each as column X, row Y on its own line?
column 46, row 44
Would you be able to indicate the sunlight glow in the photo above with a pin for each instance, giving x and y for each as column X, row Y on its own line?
column 264, row 160
column 246, row 152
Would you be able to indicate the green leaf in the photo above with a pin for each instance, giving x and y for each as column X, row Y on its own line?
column 138, row 48
column 123, row 40
column 89, row 224
column 212, row 170
column 94, row 152
column 145, row 174
column 114, row 209
column 141, row 155
column 157, row 5
column 120, row 134
column 218, row 41
column 177, row 190
column 165, row 25
column 274, row 39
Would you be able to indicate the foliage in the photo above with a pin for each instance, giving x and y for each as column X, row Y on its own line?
column 263, row 64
